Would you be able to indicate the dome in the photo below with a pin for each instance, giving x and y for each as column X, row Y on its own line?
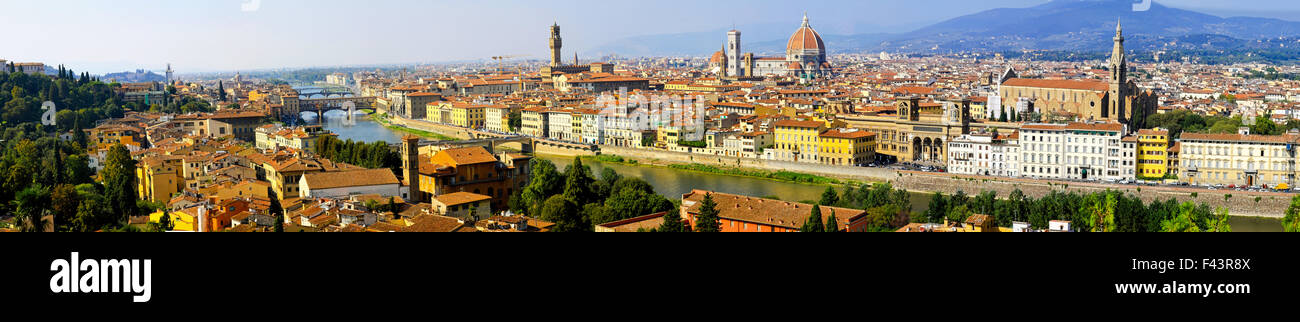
column 805, row 39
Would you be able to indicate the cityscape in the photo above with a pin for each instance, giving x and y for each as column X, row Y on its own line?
column 1119, row 128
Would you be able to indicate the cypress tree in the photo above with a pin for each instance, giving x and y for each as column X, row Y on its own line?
column 707, row 221
column 832, row 224
column 830, row 197
column 672, row 224
column 814, row 222
column 165, row 223
column 276, row 211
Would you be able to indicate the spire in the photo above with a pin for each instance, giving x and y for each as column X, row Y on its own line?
column 1119, row 28
column 805, row 19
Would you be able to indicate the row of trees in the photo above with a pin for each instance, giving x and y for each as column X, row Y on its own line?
column 887, row 208
column 1109, row 211
column 576, row 200
column 1180, row 121
column 373, row 155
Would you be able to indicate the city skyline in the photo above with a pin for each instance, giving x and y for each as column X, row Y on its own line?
column 296, row 34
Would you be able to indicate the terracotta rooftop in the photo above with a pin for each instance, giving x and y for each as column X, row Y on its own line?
column 764, row 211
column 1091, row 85
column 356, row 178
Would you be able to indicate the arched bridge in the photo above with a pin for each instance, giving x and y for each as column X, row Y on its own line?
column 324, row 92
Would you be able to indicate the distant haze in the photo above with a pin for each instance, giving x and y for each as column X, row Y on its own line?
column 219, row 35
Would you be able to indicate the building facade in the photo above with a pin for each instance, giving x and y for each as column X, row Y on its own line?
column 985, row 154
column 1238, row 159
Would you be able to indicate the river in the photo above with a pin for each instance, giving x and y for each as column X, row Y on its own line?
column 674, row 183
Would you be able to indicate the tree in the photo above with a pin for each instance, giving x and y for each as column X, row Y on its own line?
column 516, row 121
column 673, row 224
column 938, row 208
column 578, row 182
column 566, row 215
column 31, row 205
column 830, row 197
column 545, row 182
column 708, row 221
column 276, row 210
column 64, row 201
column 119, row 182
column 165, row 222
column 221, row 91
column 1101, row 212
column 1291, row 223
column 814, row 222
column 832, row 224
column 1265, row 126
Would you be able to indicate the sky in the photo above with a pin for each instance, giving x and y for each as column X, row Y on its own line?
column 230, row 35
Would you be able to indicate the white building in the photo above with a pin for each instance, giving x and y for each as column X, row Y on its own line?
column 270, row 137
column 593, row 130
column 496, row 119
column 559, row 125
column 985, row 154
column 1076, row 151
column 341, row 184
column 30, row 68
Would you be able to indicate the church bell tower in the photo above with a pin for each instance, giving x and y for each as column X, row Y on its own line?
column 1118, row 79
column 556, row 44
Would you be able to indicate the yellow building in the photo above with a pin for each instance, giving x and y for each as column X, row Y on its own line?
column 283, row 172
column 1152, row 153
column 847, row 147
column 110, row 135
column 160, row 177
column 460, row 114
column 797, row 140
column 258, row 95
column 1240, row 159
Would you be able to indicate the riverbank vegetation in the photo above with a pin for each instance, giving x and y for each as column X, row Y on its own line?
column 382, row 119
column 372, row 155
column 887, row 208
column 786, row 176
column 1291, row 223
column 1109, row 211
column 576, row 200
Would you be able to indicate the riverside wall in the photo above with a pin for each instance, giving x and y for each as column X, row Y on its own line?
column 1241, row 203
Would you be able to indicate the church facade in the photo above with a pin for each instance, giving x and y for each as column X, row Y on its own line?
column 805, row 57
column 1115, row 99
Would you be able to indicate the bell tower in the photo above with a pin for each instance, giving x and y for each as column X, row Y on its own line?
column 556, row 45
column 1118, row 79
column 733, row 53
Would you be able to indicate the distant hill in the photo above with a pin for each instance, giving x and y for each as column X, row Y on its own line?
column 1060, row 25
column 138, row 76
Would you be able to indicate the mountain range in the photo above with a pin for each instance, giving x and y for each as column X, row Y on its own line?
column 1064, row 25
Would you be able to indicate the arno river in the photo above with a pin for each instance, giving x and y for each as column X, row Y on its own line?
column 673, row 183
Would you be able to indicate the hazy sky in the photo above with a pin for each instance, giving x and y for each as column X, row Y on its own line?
column 219, row 35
